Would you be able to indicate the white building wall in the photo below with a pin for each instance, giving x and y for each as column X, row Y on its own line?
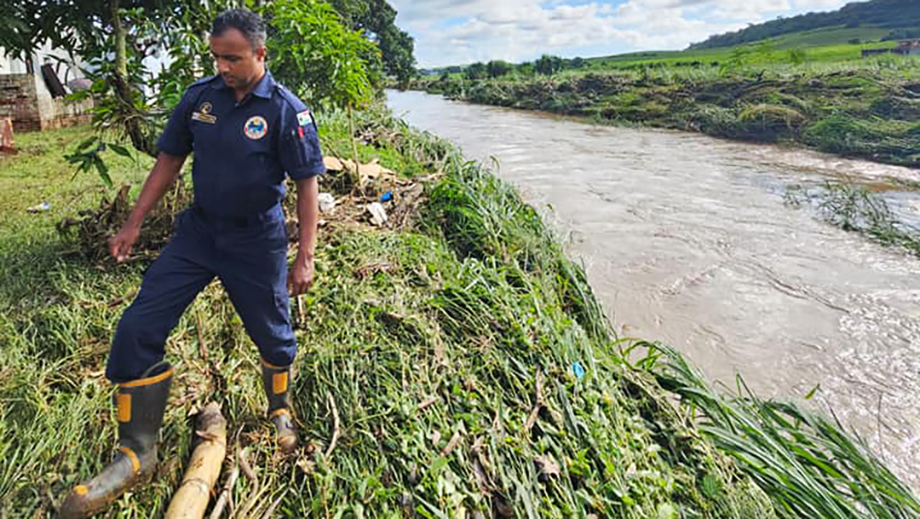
column 66, row 67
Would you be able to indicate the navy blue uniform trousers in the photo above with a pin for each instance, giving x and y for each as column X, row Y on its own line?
column 250, row 258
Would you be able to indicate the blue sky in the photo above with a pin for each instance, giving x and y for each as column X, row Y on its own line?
column 449, row 32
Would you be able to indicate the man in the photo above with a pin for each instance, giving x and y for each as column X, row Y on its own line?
column 246, row 132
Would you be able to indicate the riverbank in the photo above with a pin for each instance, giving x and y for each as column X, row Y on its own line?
column 867, row 109
column 458, row 356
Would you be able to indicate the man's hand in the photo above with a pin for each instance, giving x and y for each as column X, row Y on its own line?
column 300, row 277
column 163, row 174
column 121, row 244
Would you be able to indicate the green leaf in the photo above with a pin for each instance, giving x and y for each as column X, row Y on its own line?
column 86, row 144
column 667, row 511
column 121, row 150
column 811, row 394
column 438, row 464
column 103, row 171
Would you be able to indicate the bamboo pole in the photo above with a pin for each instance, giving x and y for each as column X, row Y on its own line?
column 191, row 500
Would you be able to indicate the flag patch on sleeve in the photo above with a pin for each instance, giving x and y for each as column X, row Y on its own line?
column 304, row 118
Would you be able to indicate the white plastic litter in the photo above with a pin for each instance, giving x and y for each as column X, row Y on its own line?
column 44, row 206
column 378, row 214
column 326, row 202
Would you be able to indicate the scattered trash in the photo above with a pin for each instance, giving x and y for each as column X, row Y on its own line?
column 326, row 202
column 44, row 206
column 370, row 171
column 578, row 370
column 386, row 197
column 378, row 214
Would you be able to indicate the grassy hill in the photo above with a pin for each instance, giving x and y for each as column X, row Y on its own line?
column 830, row 36
column 877, row 14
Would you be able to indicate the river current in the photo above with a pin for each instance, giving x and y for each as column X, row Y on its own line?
column 690, row 241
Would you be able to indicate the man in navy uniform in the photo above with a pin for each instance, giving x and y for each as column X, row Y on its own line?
column 247, row 132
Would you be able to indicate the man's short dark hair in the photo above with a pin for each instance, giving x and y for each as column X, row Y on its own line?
column 247, row 22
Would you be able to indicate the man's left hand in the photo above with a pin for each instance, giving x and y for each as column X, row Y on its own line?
column 300, row 277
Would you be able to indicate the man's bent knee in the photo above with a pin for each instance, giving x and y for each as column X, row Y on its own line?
column 138, row 345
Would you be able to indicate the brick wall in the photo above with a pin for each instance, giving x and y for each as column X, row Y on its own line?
column 58, row 113
column 19, row 101
column 31, row 111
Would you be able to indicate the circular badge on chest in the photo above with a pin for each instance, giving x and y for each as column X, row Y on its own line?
column 256, row 127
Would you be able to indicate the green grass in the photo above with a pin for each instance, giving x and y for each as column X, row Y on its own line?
column 470, row 367
column 802, row 460
column 833, row 36
column 820, row 45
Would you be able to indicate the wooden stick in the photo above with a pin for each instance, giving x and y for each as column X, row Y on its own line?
column 191, row 500
column 251, row 475
column 335, row 422
column 226, row 496
column 271, row 509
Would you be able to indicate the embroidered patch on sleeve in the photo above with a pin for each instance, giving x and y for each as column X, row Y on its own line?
column 304, row 118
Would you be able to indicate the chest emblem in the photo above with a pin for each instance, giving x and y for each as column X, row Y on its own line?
column 204, row 114
column 256, row 127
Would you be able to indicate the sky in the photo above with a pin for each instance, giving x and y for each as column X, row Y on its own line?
column 459, row 32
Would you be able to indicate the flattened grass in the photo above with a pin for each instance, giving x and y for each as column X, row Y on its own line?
column 462, row 365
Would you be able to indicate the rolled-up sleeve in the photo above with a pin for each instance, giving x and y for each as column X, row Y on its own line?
column 177, row 137
column 299, row 149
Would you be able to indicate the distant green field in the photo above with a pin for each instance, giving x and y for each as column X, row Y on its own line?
column 831, row 36
column 821, row 45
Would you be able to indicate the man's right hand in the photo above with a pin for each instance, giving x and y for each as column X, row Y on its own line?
column 121, row 244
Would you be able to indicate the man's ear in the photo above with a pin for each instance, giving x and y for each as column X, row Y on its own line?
column 261, row 52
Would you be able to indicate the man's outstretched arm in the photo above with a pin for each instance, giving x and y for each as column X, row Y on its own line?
column 163, row 174
column 300, row 276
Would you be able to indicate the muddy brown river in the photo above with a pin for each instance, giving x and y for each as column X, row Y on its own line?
column 687, row 240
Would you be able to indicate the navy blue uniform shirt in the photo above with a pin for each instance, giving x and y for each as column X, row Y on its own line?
column 243, row 149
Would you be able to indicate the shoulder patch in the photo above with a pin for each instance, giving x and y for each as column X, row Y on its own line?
column 304, row 118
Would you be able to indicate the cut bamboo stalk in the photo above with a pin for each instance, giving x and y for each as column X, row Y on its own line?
column 191, row 500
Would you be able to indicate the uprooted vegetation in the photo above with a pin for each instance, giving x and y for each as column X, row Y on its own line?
column 856, row 208
column 455, row 365
column 869, row 110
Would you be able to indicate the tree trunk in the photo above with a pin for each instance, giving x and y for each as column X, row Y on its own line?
column 354, row 147
column 121, row 54
column 133, row 126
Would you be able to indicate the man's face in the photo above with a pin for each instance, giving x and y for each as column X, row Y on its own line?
column 237, row 62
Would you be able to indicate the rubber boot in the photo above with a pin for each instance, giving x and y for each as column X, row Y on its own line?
column 276, row 381
column 140, row 405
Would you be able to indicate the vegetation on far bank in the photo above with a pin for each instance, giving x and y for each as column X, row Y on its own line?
column 868, row 109
column 460, row 360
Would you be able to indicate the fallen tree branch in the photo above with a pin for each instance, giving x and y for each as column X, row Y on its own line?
column 251, row 475
column 225, row 500
column 191, row 500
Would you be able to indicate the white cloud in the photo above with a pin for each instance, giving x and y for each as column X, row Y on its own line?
column 464, row 31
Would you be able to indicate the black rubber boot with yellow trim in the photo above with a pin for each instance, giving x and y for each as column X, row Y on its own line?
column 277, row 381
column 140, row 405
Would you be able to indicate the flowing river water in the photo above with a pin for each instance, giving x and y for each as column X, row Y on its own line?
column 687, row 240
